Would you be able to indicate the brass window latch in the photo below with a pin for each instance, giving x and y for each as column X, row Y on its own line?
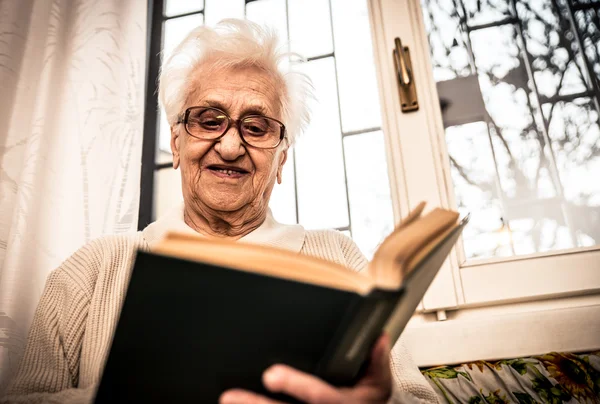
column 406, row 80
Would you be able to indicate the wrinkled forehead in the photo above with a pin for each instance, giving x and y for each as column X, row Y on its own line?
column 238, row 89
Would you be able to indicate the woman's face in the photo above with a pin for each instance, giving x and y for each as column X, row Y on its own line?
column 239, row 92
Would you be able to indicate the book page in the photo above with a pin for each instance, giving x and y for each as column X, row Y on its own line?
column 413, row 238
column 264, row 260
column 391, row 262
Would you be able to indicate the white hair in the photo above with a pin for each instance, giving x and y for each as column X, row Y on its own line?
column 236, row 43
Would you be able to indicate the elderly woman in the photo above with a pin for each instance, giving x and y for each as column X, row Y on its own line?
column 234, row 112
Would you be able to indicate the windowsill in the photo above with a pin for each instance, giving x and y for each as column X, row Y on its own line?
column 505, row 331
column 565, row 251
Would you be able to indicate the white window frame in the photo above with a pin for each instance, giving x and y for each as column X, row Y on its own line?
column 559, row 290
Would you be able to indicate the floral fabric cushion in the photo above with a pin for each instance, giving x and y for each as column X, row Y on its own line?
column 554, row 378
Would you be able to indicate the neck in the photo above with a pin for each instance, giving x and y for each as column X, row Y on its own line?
column 222, row 224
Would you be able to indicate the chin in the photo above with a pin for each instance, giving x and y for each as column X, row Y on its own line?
column 229, row 204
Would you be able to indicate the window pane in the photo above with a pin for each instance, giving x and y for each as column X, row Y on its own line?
column 449, row 54
column 586, row 2
column 588, row 24
column 310, row 27
column 319, row 160
column 558, row 70
column 475, row 186
column 163, row 157
column 176, row 29
column 270, row 13
column 369, row 190
column 176, row 7
column 485, row 11
column 502, row 78
column 575, row 138
column 523, row 171
column 217, row 10
column 359, row 99
column 163, row 149
column 283, row 198
column 167, row 191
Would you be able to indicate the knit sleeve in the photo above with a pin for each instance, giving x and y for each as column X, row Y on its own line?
column 49, row 370
column 355, row 259
column 408, row 380
column 68, row 396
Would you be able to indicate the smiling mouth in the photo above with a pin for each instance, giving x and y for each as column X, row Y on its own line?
column 226, row 171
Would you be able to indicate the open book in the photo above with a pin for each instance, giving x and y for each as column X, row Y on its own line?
column 205, row 315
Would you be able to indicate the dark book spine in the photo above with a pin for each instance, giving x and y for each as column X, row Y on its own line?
column 351, row 345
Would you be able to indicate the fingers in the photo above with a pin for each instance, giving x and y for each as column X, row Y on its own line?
column 237, row 396
column 305, row 387
column 380, row 355
column 378, row 372
column 283, row 379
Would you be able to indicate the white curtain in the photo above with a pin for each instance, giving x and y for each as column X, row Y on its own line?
column 71, row 115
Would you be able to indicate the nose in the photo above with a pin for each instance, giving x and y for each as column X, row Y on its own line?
column 230, row 147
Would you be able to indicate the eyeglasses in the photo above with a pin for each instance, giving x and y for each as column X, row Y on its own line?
column 209, row 123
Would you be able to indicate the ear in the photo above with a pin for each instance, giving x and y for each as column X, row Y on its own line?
column 175, row 146
column 281, row 163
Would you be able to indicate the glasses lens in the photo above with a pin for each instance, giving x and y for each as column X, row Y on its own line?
column 261, row 131
column 206, row 123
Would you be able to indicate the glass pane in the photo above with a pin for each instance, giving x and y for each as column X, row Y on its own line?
column 283, row 198
column 310, row 27
column 176, row 29
column 558, row 68
column 575, row 136
column 588, row 24
column 369, row 190
column 167, row 191
column 163, row 150
column 163, row 157
column 450, row 57
column 176, row 7
column 319, row 159
column 485, row 11
column 354, row 55
column 217, row 10
column 475, row 186
column 270, row 13
column 522, row 171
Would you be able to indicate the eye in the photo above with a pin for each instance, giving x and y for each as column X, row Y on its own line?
column 255, row 129
column 211, row 123
column 256, row 126
column 208, row 120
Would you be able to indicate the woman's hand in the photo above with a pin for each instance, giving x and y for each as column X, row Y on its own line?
column 374, row 387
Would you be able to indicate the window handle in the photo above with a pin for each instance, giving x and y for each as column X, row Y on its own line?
column 406, row 82
column 404, row 73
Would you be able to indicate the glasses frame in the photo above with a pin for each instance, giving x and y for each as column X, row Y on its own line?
column 238, row 124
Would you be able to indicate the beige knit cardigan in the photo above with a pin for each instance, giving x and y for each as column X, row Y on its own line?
column 76, row 316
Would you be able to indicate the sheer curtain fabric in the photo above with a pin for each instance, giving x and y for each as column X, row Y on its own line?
column 71, row 114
